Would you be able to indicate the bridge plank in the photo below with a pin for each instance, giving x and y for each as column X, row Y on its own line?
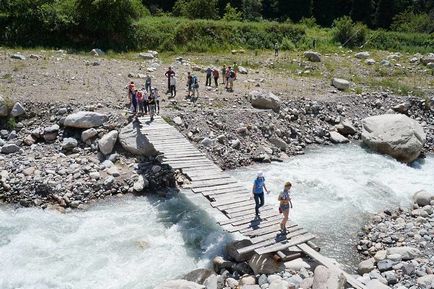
column 285, row 244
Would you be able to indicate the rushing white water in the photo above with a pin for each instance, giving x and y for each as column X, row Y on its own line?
column 140, row 242
column 336, row 188
column 122, row 243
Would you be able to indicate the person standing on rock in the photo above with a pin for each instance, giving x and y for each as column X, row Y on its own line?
column 169, row 73
column 148, row 83
column 224, row 74
column 285, row 204
column 131, row 88
column 208, row 76
column 189, row 84
column 173, row 86
column 215, row 74
column 231, row 79
column 195, row 87
column 258, row 192
column 227, row 75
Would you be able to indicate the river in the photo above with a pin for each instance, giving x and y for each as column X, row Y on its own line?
column 137, row 242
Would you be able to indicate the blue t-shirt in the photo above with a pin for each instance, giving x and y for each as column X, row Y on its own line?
column 259, row 185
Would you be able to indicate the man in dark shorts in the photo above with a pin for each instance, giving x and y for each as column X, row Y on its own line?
column 169, row 73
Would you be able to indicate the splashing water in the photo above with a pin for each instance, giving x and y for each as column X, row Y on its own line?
column 125, row 243
column 336, row 188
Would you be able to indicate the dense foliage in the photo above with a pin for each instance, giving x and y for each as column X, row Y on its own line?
column 217, row 24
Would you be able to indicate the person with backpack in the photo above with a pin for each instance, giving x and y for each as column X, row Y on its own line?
column 141, row 101
column 224, row 74
column 215, row 74
column 152, row 104
column 208, row 76
column 148, row 83
column 258, row 192
column 232, row 77
column 169, row 73
column 276, row 49
column 173, row 86
column 285, row 204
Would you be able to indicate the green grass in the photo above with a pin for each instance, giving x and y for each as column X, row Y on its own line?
column 396, row 86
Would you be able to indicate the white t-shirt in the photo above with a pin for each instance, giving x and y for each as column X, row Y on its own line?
column 173, row 81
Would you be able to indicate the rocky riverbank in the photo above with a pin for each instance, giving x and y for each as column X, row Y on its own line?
column 399, row 246
column 239, row 135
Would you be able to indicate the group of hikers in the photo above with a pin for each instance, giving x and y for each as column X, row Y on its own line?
column 284, row 199
column 147, row 99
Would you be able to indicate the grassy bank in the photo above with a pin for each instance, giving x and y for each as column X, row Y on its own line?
column 171, row 34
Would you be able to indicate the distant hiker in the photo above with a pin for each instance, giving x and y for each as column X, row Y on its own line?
column 276, row 49
column 232, row 77
column 235, row 68
column 134, row 102
column 173, row 86
column 148, row 83
column 131, row 87
column 141, row 95
column 169, row 73
column 156, row 96
column 215, row 74
column 195, row 87
column 208, row 76
column 151, row 104
column 258, row 192
column 285, row 205
column 224, row 74
column 189, row 84
column 227, row 75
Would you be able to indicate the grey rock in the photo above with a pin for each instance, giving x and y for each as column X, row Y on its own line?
column 17, row 110
column 340, row 83
column 407, row 253
column 429, row 58
column 366, row 266
column 265, row 264
column 140, row 184
column 198, row 276
column 394, row 134
column 9, row 149
column 179, row 284
column 408, row 269
column 312, row 56
column 4, row 110
column 278, row 142
column 363, row 55
column 376, row 284
column 108, row 141
column 390, row 277
column 85, row 119
column 146, row 55
column 337, row 138
column 97, row 52
column 69, row 143
column 423, row 198
column 18, row 56
column 177, row 120
column 385, row 265
column 242, row 70
column 207, row 142
column 265, row 100
column 88, row 134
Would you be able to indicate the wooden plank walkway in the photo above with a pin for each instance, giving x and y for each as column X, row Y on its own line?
column 230, row 198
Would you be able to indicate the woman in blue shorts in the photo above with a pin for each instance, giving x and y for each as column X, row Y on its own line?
column 285, row 205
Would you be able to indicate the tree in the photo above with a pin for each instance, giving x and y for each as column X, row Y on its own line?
column 348, row 33
column 252, row 9
column 232, row 14
column 194, row 9
column 363, row 11
column 296, row 9
column 385, row 13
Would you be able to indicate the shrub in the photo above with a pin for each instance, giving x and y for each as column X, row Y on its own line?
column 232, row 14
column 287, row 44
column 349, row 34
column 196, row 9
column 410, row 22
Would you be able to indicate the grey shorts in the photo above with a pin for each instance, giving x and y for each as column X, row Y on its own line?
column 284, row 208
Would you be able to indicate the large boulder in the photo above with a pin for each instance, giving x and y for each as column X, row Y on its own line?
column 134, row 140
column 429, row 58
column 107, row 142
column 363, row 55
column 146, row 55
column 9, row 149
column 340, row 83
column 265, row 100
column 85, row 119
column 407, row 253
column 179, row 284
column 265, row 264
column 423, row 198
column 376, row 284
column 325, row 278
column 313, row 56
column 4, row 110
column 366, row 266
column 337, row 138
column 396, row 135
column 346, row 128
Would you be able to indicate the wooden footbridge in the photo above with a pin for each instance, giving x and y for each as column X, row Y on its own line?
column 232, row 200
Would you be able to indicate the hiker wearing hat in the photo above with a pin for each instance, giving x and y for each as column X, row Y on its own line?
column 258, row 192
column 285, row 204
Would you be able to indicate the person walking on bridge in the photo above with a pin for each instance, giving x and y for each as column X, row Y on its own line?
column 285, row 204
column 258, row 192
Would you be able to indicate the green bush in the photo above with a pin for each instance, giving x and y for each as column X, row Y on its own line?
column 398, row 41
column 287, row 44
column 196, row 9
column 232, row 14
column 348, row 33
column 410, row 22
